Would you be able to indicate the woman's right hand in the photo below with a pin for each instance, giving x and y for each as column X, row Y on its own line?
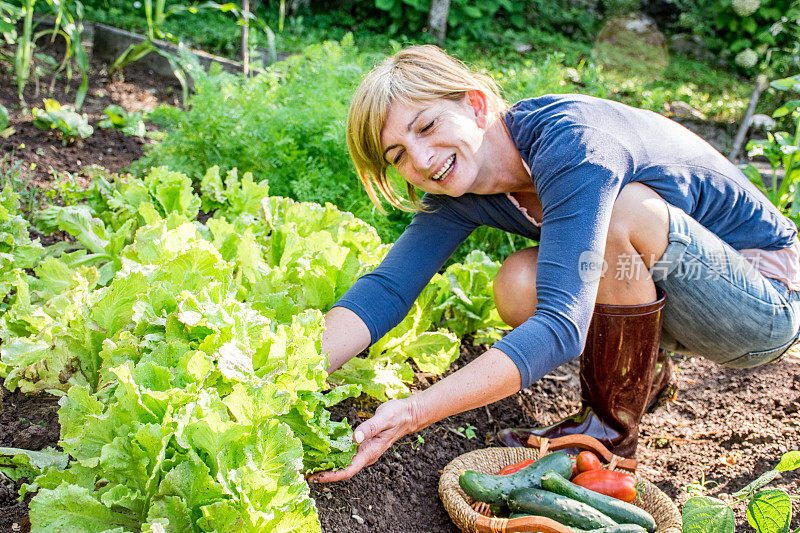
column 392, row 420
column 490, row 377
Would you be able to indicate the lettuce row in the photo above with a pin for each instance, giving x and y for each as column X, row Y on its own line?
column 187, row 354
column 17, row 251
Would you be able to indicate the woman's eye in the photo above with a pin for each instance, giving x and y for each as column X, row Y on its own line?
column 429, row 126
column 397, row 157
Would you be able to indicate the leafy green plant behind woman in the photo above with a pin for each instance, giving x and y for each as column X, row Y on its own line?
column 781, row 149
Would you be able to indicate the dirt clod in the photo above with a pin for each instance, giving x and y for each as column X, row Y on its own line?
column 34, row 437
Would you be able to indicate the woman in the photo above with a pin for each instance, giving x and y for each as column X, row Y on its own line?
column 627, row 207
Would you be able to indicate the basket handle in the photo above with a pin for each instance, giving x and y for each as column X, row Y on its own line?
column 524, row 524
column 584, row 442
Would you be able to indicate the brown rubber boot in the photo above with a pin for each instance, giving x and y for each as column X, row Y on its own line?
column 664, row 388
column 617, row 369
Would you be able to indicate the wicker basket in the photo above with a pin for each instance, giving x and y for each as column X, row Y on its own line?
column 491, row 460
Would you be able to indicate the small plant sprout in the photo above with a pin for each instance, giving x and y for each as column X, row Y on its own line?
column 468, row 431
column 127, row 123
column 62, row 118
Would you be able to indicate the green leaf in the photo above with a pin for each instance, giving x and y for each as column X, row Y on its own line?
column 759, row 482
column 752, row 173
column 75, row 508
column 785, row 84
column 433, row 351
column 378, row 379
column 770, row 511
column 472, row 11
column 220, row 516
column 749, row 25
column 51, row 105
column 78, row 221
column 191, row 481
column 789, row 461
column 171, row 513
column 16, row 463
column 173, row 191
column 707, row 515
column 213, row 191
column 385, row 5
column 785, row 109
column 115, row 309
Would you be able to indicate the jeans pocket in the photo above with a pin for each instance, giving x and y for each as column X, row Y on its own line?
column 753, row 359
column 671, row 258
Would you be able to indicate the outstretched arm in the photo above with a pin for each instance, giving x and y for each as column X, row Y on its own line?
column 345, row 336
column 489, row 378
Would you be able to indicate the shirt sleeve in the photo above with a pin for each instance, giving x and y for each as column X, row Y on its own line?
column 578, row 172
column 383, row 297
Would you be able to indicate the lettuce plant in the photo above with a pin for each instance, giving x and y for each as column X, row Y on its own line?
column 17, row 251
column 64, row 118
column 187, row 355
column 127, row 123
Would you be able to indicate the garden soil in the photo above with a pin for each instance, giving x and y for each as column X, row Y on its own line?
column 47, row 159
column 726, row 426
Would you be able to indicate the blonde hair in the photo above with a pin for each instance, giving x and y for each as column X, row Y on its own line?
column 414, row 74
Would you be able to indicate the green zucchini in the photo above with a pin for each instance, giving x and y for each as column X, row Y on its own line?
column 494, row 489
column 565, row 510
column 619, row 528
column 499, row 509
column 622, row 512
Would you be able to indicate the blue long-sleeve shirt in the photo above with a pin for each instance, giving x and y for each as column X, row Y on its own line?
column 581, row 151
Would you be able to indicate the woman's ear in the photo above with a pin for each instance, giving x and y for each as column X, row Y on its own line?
column 479, row 105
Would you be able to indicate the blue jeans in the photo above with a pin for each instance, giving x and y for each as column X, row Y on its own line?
column 718, row 305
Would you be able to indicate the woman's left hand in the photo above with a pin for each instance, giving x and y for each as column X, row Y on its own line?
column 391, row 421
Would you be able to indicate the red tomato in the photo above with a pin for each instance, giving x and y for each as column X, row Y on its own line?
column 609, row 482
column 588, row 461
column 574, row 469
column 510, row 469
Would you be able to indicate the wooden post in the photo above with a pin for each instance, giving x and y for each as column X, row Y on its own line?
column 761, row 84
column 245, row 39
column 437, row 21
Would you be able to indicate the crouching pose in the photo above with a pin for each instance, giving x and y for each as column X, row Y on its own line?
column 649, row 241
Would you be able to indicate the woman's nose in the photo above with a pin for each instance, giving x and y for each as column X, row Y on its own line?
column 421, row 156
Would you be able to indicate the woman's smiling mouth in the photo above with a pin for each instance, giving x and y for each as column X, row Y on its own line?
column 446, row 168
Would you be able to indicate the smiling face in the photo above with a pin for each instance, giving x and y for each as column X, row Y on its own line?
column 437, row 145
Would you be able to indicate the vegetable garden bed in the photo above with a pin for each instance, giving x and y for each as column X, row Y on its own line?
column 137, row 89
column 726, row 427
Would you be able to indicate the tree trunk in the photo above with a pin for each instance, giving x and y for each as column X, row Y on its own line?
column 437, row 22
column 296, row 5
column 761, row 84
column 245, row 37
